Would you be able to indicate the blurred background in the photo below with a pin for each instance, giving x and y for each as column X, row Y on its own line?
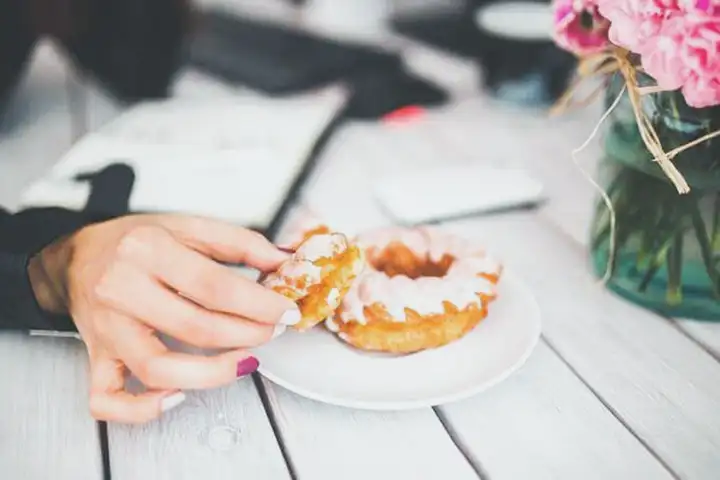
column 165, row 86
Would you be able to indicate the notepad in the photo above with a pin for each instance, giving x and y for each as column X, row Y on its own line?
column 227, row 158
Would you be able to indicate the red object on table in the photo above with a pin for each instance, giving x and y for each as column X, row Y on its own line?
column 404, row 114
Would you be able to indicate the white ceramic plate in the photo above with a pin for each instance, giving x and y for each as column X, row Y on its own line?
column 319, row 366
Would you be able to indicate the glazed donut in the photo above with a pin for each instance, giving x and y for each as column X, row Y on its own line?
column 420, row 289
column 318, row 276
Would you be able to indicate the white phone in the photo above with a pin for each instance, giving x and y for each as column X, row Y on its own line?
column 454, row 191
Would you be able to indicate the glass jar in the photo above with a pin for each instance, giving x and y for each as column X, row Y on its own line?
column 667, row 245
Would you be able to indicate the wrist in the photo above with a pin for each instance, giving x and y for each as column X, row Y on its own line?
column 47, row 274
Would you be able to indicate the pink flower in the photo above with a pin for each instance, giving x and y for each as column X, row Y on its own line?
column 709, row 7
column 700, row 55
column 684, row 54
column 678, row 41
column 702, row 92
column 579, row 28
column 661, row 55
column 634, row 22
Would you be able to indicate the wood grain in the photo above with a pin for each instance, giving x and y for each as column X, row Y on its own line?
column 543, row 423
column 189, row 442
column 705, row 333
column 326, row 442
column 45, row 427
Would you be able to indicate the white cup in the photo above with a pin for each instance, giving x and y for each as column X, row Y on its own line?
column 351, row 16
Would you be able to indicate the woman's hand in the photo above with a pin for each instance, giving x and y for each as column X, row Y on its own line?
column 126, row 280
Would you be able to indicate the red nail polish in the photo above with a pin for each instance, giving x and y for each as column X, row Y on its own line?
column 247, row 366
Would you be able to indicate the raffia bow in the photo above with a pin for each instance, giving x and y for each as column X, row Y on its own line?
column 617, row 61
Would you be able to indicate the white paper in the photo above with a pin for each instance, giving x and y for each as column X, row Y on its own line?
column 234, row 159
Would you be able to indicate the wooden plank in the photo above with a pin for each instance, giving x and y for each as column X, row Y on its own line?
column 46, row 430
column 546, row 417
column 706, row 334
column 654, row 378
column 45, row 427
column 325, row 441
column 220, row 434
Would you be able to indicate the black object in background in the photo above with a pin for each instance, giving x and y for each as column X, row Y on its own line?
column 277, row 60
column 110, row 189
column 133, row 48
column 522, row 71
column 452, row 30
column 377, row 94
column 16, row 43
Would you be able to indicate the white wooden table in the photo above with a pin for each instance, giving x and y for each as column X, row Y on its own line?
column 611, row 392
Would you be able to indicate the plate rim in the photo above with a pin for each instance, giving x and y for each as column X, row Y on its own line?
column 430, row 401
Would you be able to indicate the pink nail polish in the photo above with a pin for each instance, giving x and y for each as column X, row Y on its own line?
column 247, row 366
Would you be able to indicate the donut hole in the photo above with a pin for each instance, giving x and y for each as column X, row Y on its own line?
column 397, row 259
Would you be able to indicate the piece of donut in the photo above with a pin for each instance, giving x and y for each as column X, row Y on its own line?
column 420, row 289
column 318, row 276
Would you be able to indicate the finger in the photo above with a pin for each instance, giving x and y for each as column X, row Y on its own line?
column 212, row 285
column 226, row 242
column 139, row 296
column 109, row 402
column 157, row 367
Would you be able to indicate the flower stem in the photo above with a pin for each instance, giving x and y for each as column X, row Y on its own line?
column 705, row 248
column 674, row 291
column 654, row 266
column 715, row 236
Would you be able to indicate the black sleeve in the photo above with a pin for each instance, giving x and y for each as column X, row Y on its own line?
column 21, row 236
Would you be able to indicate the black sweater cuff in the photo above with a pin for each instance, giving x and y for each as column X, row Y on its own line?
column 19, row 309
column 22, row 236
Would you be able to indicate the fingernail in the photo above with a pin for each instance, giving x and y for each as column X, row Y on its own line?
column 247, row 366
column 172, row 401
column 291, row 317
column 279, row 330
column 286, row 249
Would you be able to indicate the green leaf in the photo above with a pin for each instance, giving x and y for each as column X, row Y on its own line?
column 675, row 262
column 705, row 247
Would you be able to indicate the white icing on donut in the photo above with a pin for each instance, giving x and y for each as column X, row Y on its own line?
column 460, row 286
column 331, row 324
column 333, row 297
column 300, row 269
column 292, row 273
